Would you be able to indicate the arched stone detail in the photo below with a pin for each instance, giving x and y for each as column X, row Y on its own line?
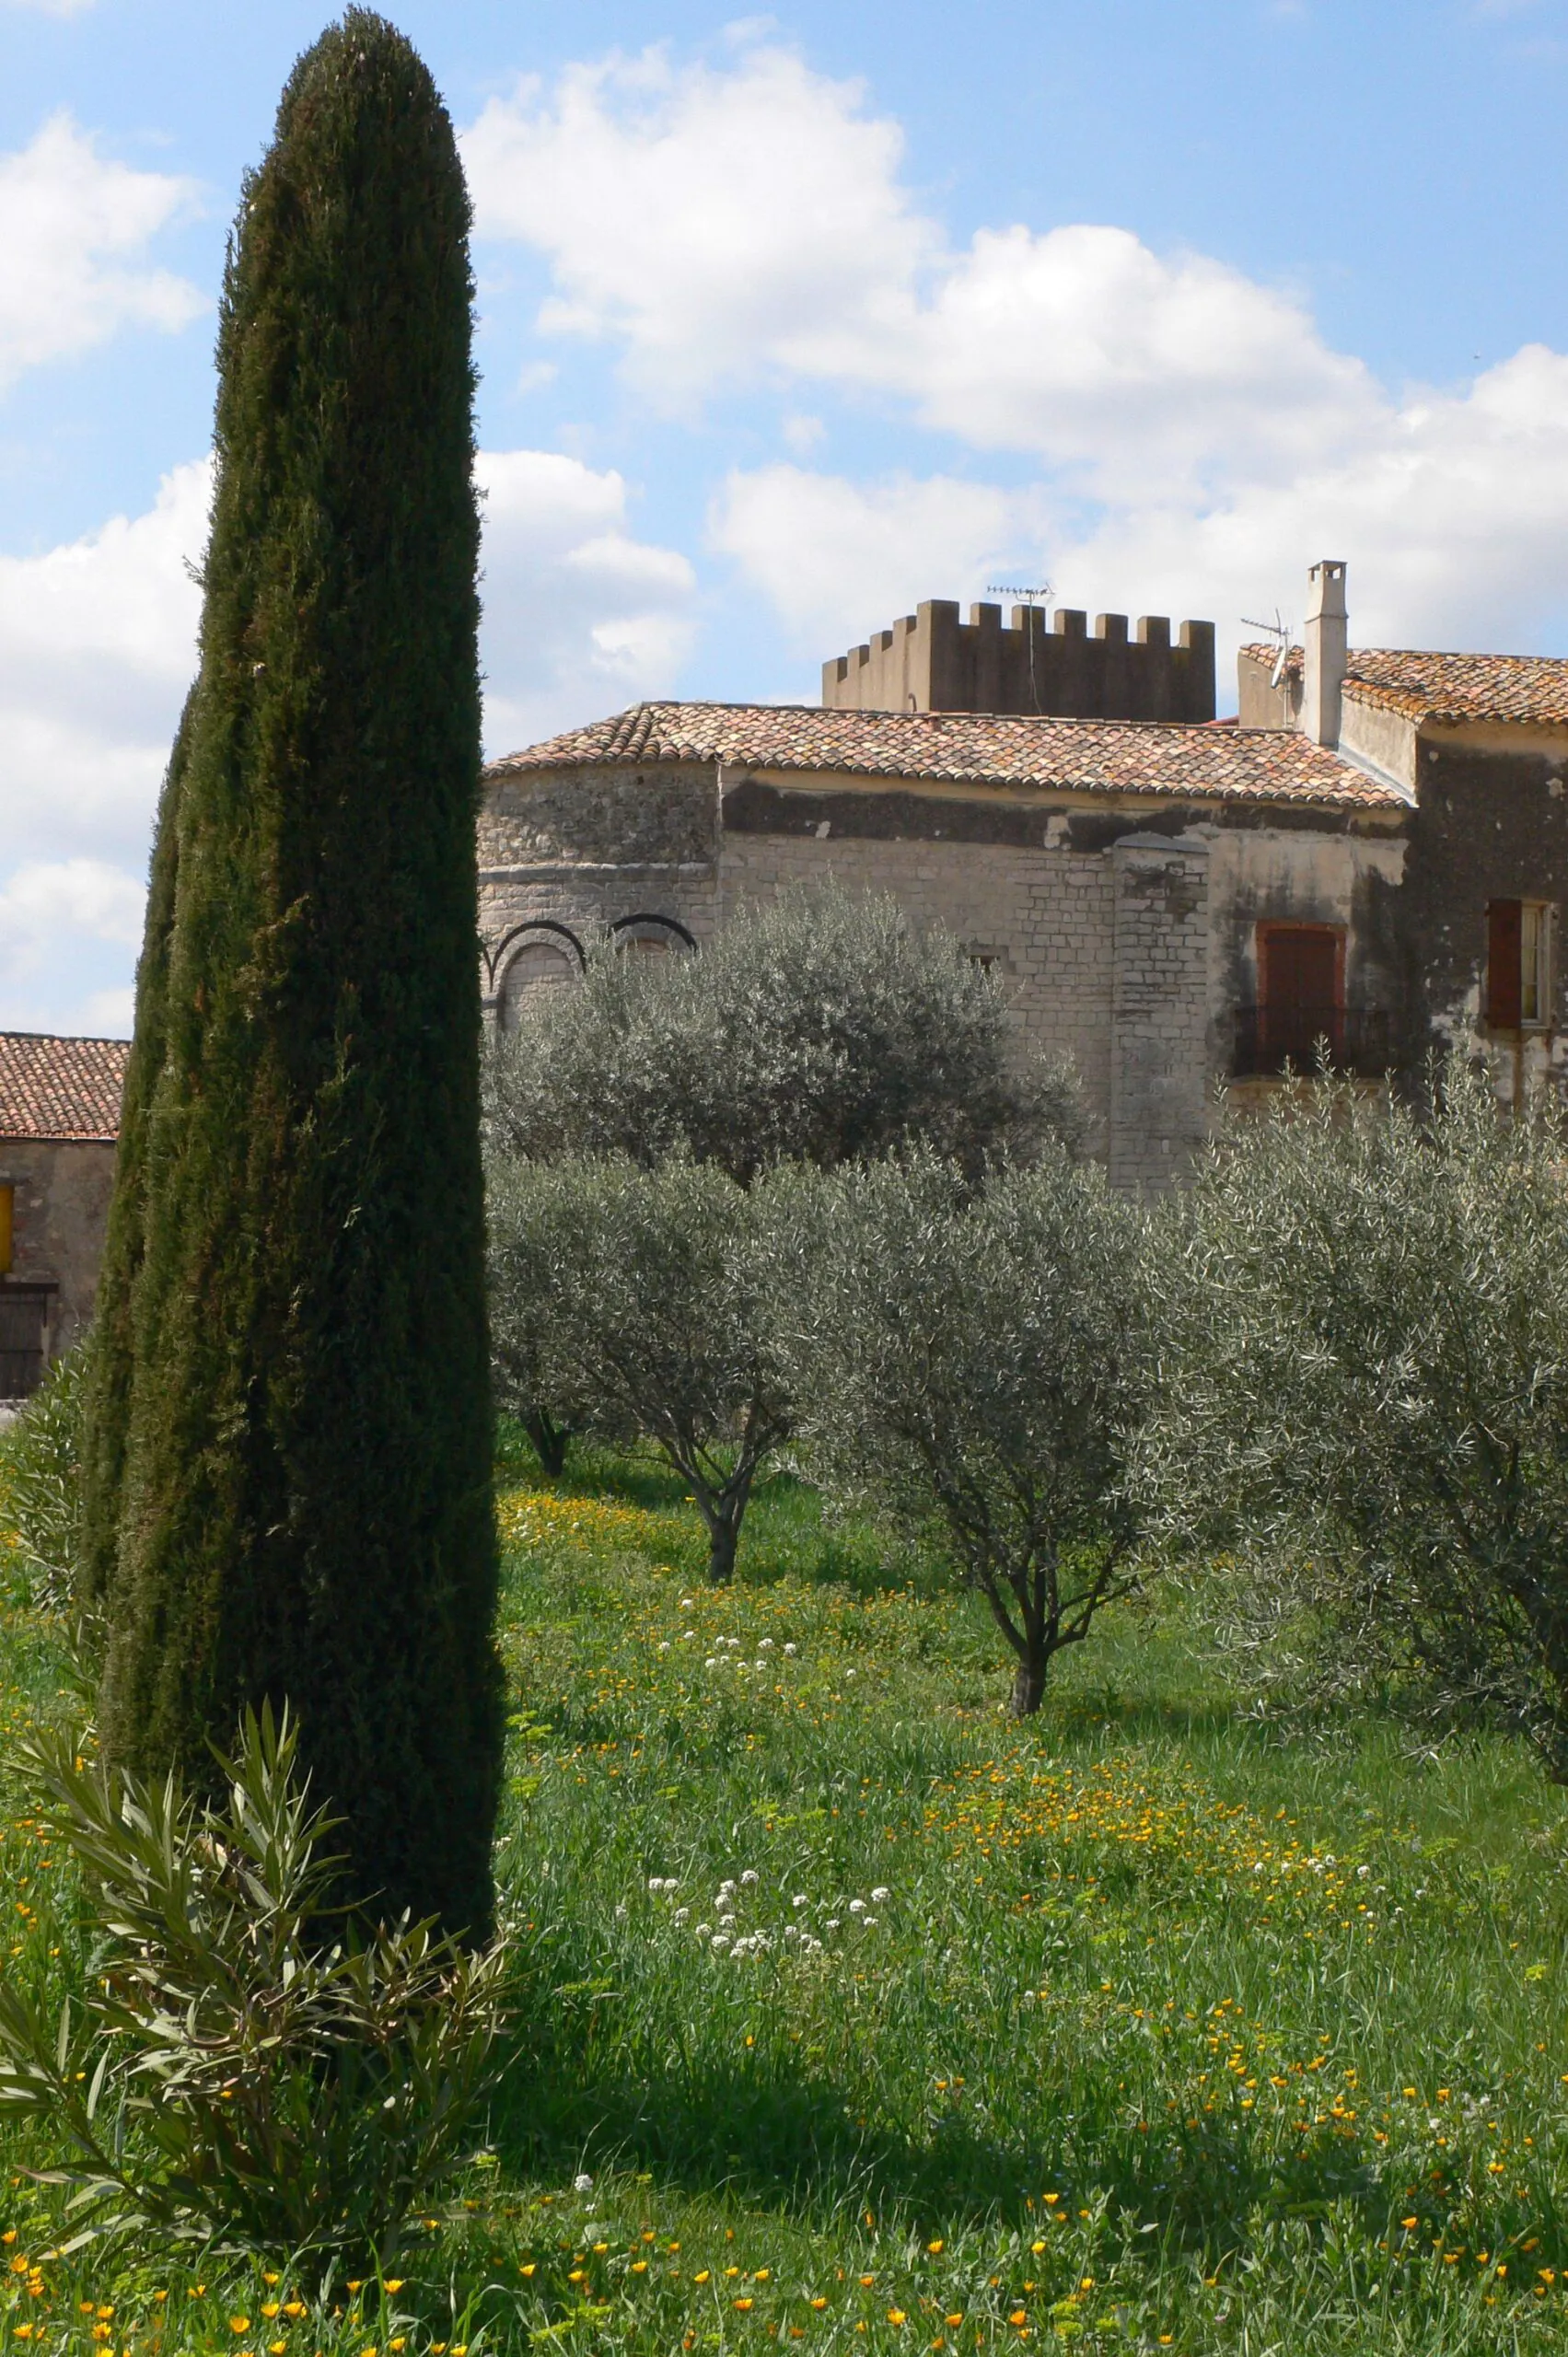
column 539, row 954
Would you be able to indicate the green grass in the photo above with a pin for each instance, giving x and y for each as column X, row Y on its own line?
column 1167, row 2025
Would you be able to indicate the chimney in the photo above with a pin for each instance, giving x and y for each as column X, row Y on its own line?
column 1324, row 672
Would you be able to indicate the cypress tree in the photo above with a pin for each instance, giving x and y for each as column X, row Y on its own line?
column 296, row 1454
column 108, row 1375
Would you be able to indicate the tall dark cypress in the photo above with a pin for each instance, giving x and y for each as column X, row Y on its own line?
column 110, row 1358
column 296, row 1461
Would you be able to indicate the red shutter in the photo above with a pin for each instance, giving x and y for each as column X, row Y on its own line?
column 1503, row 948
column 1299, row 974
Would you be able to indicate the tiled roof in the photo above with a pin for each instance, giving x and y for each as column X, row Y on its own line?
column 60, row 1089
column 1450, row 687
column 1189, row 760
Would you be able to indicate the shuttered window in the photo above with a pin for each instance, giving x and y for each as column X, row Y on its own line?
column 1518, row 964
column 1300, row 991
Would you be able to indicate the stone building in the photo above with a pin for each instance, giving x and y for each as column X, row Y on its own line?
column 1373, row 854
column 59, row 1118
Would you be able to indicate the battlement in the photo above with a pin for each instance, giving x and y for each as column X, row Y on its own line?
column 930, row 661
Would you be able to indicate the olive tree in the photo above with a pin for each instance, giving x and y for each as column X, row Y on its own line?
column 641, row 1297
column 1363, row 1389
column 969, row 1363
column 819, row 1028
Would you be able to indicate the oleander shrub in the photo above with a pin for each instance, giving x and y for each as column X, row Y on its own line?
column 244, row 2065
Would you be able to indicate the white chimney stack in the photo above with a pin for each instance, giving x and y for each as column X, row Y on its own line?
column 1323, row 676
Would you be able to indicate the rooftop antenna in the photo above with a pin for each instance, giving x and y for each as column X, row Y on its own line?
column 1031, row 598
column 1282, row 632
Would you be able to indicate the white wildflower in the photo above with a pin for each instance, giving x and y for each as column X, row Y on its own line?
column 880, row 1895
column 688, row 1603
column 703, row 1930
column 857, row 1906
column 765, row 1645
column 582, row 2184
column 683, row 1914
column 832, row 1923
column 719, row 1942
column 750, row 1875
column 792, row 1649
column 800, row 1899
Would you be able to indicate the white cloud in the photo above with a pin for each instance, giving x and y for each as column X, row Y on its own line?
column 98, row 647
column 61, row 924
column 1195, row 441
column 1452, row 513
column 723, row 224
column 837, row 559
column 579, row 617
column 73, row 230
column 720, row 222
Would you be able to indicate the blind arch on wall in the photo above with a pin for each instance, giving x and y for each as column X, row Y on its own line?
column 648, row 933
column 539, row 954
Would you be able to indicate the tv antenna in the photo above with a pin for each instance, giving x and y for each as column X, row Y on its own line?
column 1031, row 598
column 1281, row 631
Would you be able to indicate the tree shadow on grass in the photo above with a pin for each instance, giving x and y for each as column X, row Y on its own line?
column 782, row 2138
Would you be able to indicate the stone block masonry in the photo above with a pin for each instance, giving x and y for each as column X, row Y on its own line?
column 1041, row 920
column 930, row 661
column 1159, row 1064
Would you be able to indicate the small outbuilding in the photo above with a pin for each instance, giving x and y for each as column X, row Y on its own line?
column 59, row 1120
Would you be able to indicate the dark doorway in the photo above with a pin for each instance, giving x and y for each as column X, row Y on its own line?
column 24, row 1338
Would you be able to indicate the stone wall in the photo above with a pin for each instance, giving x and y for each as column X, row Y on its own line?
column 930, row 661
column 1159, row 1057
column 1041, row 919
column 60, row 1210
column 566, row 859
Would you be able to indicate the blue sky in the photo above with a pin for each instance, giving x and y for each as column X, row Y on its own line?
column 788, row 321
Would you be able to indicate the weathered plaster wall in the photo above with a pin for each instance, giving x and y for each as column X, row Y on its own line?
column 60, row 1210
column 1490, row 823
column 1273, row 875
column 1385, row 741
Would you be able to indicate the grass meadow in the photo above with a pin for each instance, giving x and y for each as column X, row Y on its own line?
column 881, row 2022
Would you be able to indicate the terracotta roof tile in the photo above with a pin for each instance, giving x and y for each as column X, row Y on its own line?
column 1192, row 760
column 1450, row 687
column 60, row 1089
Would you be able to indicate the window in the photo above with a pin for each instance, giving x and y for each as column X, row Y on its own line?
column 1301, row 971
column 1518, row 965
